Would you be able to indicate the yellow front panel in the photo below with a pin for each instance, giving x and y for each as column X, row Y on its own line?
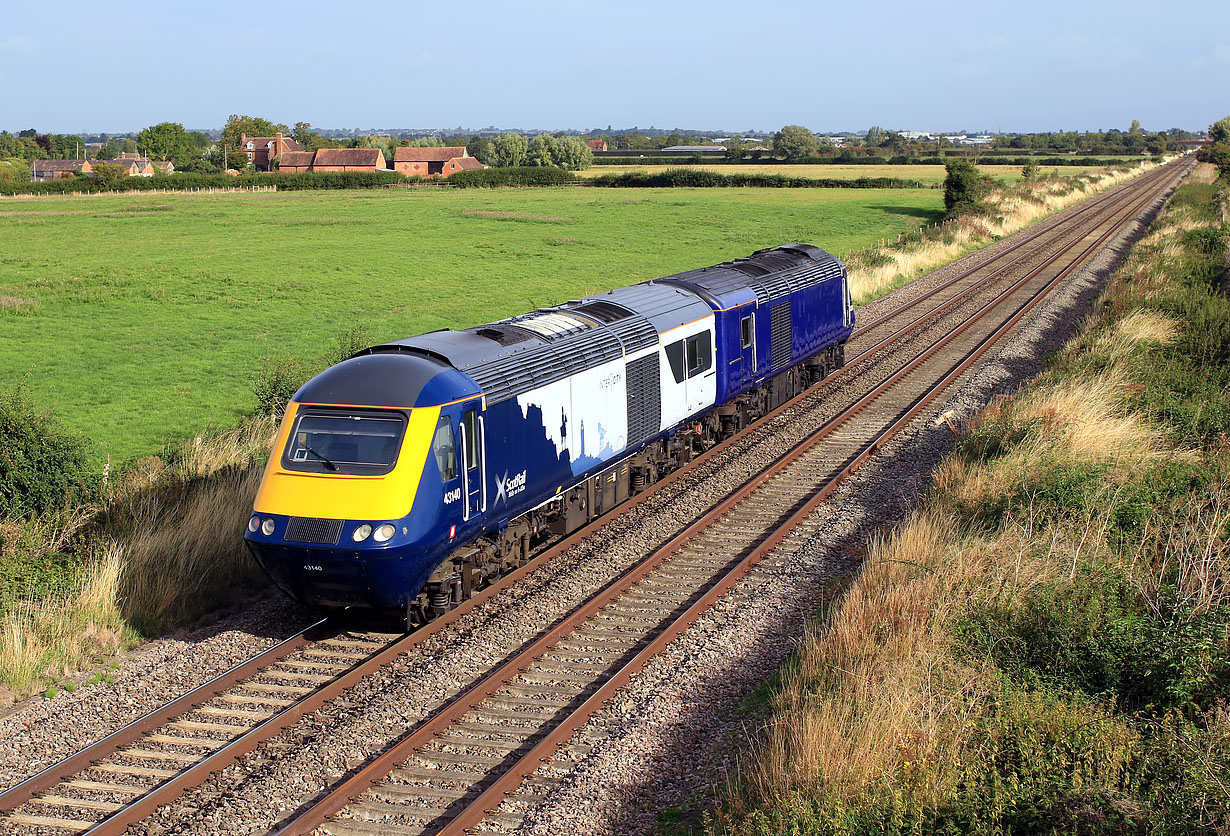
column 331, row 496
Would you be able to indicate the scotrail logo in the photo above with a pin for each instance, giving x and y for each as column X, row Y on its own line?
column 509, row 486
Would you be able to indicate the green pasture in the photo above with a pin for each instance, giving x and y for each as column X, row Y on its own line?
column 923, row 173
column 140, row 319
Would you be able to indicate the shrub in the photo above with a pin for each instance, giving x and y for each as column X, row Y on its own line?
column 514, row 176
column 42, row 467
column 964, row 189
column 277, row 380
column 188, row 181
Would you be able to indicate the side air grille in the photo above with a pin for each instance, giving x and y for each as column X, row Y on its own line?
column 644, row 399
column 313, row 530
column 780, row 347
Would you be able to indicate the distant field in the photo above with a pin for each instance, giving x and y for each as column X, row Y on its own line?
column 923, row 173
column 139, row 319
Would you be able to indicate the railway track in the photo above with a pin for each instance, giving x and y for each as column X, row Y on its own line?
column 450, row 770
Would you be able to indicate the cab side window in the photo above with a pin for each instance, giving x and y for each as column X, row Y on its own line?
column 446, row 452
column 674, row 354
column 700, row 354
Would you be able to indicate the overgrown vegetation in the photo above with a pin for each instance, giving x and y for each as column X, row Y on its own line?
column 1044, row 647
column 975, row 216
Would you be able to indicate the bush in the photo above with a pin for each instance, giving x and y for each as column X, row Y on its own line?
column 964, row 189
column 42, row 468
column 514, row 176
column 277, row 380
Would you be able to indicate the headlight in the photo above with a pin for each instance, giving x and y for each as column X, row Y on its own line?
column 254, row 523
column 267, row 526
column 384, row 532
column 362, row 533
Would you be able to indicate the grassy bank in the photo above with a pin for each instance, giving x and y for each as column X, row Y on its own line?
column 878, row 270
column 1043, row 646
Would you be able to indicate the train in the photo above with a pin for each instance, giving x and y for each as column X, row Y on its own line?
column 417, row 471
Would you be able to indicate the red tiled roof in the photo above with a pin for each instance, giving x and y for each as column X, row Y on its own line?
column 296, row 158
column 468, row 163
column 347, row 156
column 411, row 154
column 57, row 165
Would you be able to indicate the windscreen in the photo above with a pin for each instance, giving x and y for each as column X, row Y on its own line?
column 334, row 441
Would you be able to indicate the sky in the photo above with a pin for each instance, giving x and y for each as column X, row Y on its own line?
column 713, row 65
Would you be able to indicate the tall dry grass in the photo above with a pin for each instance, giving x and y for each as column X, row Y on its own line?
column 878, row 698
column 163, row 548
column 1011, row 208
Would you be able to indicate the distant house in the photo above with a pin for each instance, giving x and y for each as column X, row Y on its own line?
column 165, row 166
column 263, row 150
column 428, row 162
column 42, row 170
column 597, row 145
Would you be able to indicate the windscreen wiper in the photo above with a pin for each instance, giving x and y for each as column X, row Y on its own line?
column 328, row 463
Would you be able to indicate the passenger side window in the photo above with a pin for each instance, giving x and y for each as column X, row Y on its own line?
column 446, row 452
column 745, row 332
column 674, row 354
column 700, row 354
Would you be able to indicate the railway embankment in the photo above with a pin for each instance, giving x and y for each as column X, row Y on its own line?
column 1043, row 645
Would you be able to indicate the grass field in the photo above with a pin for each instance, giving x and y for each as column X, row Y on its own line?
column 923, row 173
column 139, row 319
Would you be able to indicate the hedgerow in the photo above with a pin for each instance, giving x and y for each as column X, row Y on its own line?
column 189, row 182
column 512, row 176
column 703, row 178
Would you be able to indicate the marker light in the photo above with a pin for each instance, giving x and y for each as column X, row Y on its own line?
column 254, row 523
column 362, row 532
column 384, row 532
column 267, row 526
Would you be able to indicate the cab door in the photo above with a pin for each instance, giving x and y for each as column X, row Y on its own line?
column 747, row 347
column 473, row 461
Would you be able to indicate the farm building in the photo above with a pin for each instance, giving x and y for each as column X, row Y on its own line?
column 597, row 145
column 137, row 166
column 427, row 162
column 41, row 170
column 332, row 159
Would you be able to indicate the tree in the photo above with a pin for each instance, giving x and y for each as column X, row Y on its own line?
column 108, row 174
column 875, row 136
column 1135, row 130
column 308, row 139
column 795, row 142
column 1030, row 170
column 167, row 141
column 481, row 150
column 251, row 125
column 509, row 149
column 1219, row 131
column 573, row 153
column 109, row 151
column 542, row 150
column 964, row 189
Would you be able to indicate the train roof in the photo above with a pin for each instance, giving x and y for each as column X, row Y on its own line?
column 525, row 352
column 764, row 276
column 387, row 379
